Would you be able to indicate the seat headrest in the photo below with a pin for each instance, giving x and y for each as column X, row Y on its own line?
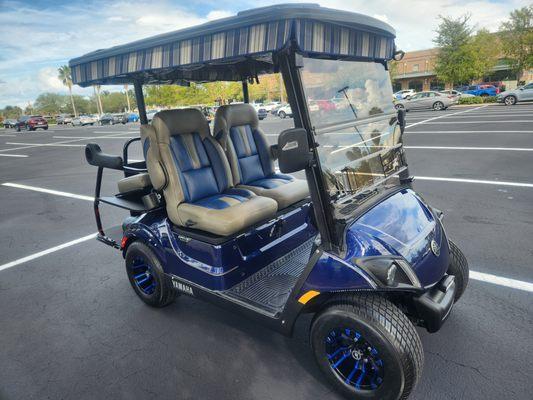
column 235, row 115
column 178, row 122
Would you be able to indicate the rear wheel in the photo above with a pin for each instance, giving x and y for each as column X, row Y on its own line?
column 437, row 106
column 367, row 348
column 399, row 106
column 458, row 268
column 282, row 114
column 509, row 100
column 146, row 276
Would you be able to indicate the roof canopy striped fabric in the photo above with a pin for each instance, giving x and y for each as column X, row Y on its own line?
column 238, row 47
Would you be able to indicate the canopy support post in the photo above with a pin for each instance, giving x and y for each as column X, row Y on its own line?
column 245, row 94
column 140, row 102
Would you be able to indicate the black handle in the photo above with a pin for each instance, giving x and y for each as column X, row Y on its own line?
column 95, row 157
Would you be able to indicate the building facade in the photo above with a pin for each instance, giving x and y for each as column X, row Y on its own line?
column 417, row 71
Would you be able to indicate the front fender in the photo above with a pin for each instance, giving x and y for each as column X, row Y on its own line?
column 143, row 233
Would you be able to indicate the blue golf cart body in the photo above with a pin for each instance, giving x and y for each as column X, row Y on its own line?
column 360, row 229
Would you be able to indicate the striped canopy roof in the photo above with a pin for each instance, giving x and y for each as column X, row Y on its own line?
column 238, row 47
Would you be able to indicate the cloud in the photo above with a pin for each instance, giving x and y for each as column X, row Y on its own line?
column 218, row 14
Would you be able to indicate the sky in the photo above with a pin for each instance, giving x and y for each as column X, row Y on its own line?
column 36, row 37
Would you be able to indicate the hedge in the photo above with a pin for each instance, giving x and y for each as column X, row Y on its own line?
column 477, row 100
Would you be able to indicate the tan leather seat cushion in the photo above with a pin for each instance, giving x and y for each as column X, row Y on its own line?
column 285, row 194
column 133, row 183
column 229, row 220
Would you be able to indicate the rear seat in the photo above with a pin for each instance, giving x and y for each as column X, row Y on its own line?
column 248, row 152
column 189, row 166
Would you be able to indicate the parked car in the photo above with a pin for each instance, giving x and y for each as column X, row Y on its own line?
column 457, row 93
column 132, row 117
column 83, row 120
column 262, row 113
column 31, row 123
column 150, row 114
column 325, row 105
column 430, row 99
column 482, row 90
column 285, row 111
column 270, row 106
column 511, row 97
column 402, row 94
column 275, row 109
column 10, row 123
column 112, row 119
column 63, row 119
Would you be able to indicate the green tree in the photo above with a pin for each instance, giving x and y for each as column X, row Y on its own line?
column 482, row 50
column 453, row 36
column 65, row 76
column 517, row 39
column 50, row 103
column 11, row 112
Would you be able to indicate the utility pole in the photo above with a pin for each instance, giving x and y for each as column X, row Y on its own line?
column 97, row 103
column 281, row 88
column 99, row 99
column 128, row 97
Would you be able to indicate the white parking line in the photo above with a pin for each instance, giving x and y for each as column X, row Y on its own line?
column 460, row 180
column 468, row 148
column 80, row 138
column 445, row 115
column 3, row 135
column 13, row 155
column 48, row 144
column 49, row 191
column 479, row 122
column 47, row 251
column 501, row 281
column 483, row 131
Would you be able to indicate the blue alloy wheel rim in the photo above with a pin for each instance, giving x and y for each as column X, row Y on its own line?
column 354, row 359
column 143, row 277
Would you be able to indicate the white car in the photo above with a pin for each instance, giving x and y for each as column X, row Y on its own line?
column 150, row 115
column 270, row 106
column 403, row 94
column 83, row 120
column 285, row 112
column 457, row 93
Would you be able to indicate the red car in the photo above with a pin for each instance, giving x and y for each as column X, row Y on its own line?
column 31, row 123
column 325, row 105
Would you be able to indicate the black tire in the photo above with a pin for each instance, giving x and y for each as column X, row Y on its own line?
column 458, row 268
column 282, row 114
column 509, row 100
column 398, row 359
column 45, row 128
column 484, row 95
column 17, row 128
column 438, row 106
column 399, row 107
column 163, row 292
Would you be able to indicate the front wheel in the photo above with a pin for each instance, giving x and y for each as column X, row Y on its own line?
column 399, row 107
column 282, row 114
column 367, row 348
column 509, row 101
column 437, row 106
column 146, row 276
column 458, row 268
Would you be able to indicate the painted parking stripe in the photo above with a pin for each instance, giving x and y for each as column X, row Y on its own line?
column 480, row 122
column 484, row 182
column 13, row 155
column 46, row 252
column 47, row 144
column 80, row 138
column 48, row 191
column 501, row 281
column 484, row 131
column 444, row 116
column 469, row 148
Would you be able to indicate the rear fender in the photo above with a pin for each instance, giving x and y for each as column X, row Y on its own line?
column 143, row 233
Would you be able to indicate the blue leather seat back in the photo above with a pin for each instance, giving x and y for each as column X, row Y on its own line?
column 199, row 166
column 252, row 152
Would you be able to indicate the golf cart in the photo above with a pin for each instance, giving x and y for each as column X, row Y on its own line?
column 324, row 221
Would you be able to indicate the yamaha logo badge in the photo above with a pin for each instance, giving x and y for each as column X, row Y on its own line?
column 182, row 287
column 435, row 248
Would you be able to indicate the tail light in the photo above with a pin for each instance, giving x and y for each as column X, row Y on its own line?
column 497, row 90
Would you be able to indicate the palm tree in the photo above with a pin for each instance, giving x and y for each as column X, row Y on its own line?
column 65, row 76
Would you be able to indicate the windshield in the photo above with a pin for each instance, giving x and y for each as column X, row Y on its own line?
column 355, row 123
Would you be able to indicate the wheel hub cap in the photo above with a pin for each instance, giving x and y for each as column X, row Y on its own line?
column 142, row 276
column 353, row 359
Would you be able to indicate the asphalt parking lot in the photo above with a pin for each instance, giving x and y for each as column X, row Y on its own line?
column 71, row 327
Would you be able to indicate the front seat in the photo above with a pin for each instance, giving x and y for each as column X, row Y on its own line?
column 250, row 157
column 189, row 166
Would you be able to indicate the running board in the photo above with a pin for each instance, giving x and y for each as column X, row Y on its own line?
column 269, row 288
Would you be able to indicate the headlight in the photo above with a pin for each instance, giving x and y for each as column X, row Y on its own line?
column 389, row 272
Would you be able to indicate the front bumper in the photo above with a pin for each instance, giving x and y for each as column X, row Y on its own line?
column 435, row 305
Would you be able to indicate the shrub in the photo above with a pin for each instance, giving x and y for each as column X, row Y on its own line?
column 471, row 100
